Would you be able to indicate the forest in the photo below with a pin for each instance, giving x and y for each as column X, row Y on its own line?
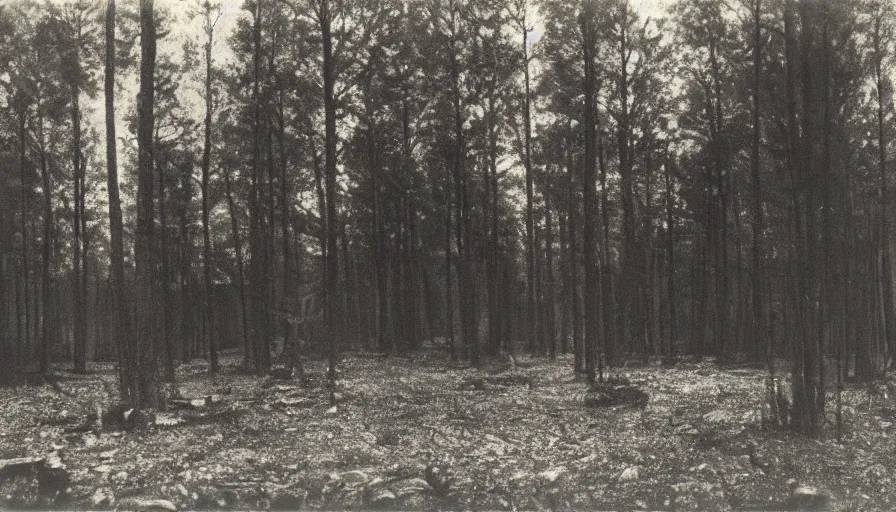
column 661, row 226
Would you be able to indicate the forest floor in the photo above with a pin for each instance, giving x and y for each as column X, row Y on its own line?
column 423, row 433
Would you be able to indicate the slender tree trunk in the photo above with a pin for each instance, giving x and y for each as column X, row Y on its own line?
column 185, row 261
column 882, row 143
column 670, row 260
column 625, row 170
column 573, row 275
column 144, row 364
column 47, row 281
column 211, row 337
column 120, row 319
column 565, row 284
column 238, row 250
column 25, row 331
column 551, row 306
column 259, row 336
column 80, row 341
column 592, row 300
column 531, row 314
column 332, row 268
column 759, row 326
column 609, row 340
column 165, row 280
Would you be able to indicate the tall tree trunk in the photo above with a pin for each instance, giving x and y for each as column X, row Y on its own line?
column 332, row 268
column 146, row 393
column 25, row 332
column 238, row 250
column 165, row 280
column 463, row 226
column 593, row 335
column 80, row 339
column 882, row 143
column 185, row 262
column 759, row 327
column 119, row 311
column 259, row 337
column 551, row 298
column 609, row 326
column 531, row 313
column 670, row 259
column 449, row 301
column 211, row 337
column 625, row 170
column 573, row 271
column 47, row 281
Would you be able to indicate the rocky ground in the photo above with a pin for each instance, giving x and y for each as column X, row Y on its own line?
column 424, row 433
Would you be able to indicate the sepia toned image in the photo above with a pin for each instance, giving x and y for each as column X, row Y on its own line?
column 439, row 255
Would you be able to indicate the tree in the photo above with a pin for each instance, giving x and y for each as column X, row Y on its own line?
column 120, row 323
column 144, row 388
column 210, row 16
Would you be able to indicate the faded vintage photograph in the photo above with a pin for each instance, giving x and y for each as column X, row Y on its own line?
column 446, row 255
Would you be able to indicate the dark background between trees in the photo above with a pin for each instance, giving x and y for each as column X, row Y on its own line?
column 370, row 174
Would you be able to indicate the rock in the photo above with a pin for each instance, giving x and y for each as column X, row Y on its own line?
column 164, row 419
column 102, row 496
column 295, row 402
column 108, row 454
column 552, row 475
column 147, row 505
column 629, row 474
column 331, row 411
column 439, row 479
column 354, row 477
column 411, row 486
column 102, row 468
column 717, row 416
column 120, row 477
column 805, row 497
column 383, row 498
column 876, row 471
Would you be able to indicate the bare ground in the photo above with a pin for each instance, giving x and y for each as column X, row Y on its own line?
column 424, row 433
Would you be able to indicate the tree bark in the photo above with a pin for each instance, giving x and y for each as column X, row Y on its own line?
column 146, row 392
column 119, row 311
column 211, row 337
column 332, row 262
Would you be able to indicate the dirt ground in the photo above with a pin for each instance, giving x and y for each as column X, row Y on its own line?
column 424, row 433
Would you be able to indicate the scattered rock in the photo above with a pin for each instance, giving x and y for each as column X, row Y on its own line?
column 717, row 416
column 613, row 393
column 805, row 497
column 354, row 477
column 629, row 474
column 439, row 479
column 383, row 498
column 167, row 420
column 294, row 402
column 102, row 496
column 551, row 476
column 411, row 486
column 147, row 505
